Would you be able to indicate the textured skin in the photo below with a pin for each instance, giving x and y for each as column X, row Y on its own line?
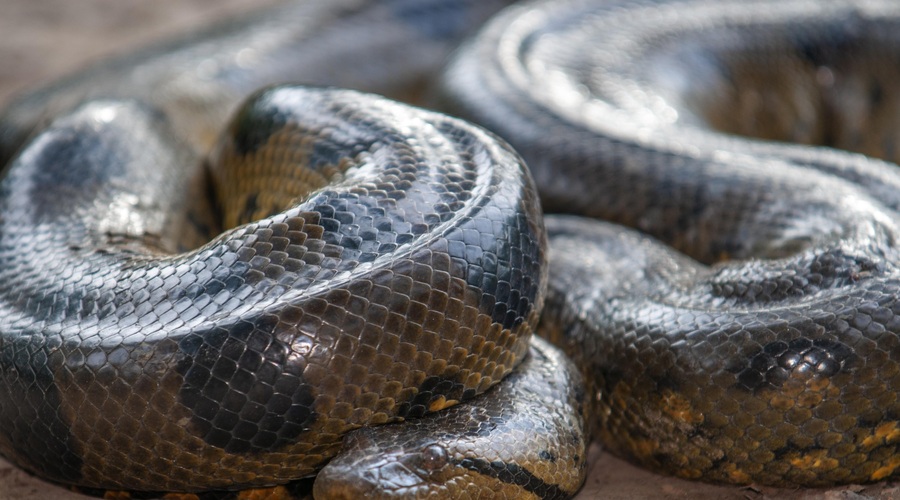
column 133, row 357
column 519, row 440
column 412, row 280
column 780, row 366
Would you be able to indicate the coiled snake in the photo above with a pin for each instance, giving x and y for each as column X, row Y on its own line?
column 136, row 355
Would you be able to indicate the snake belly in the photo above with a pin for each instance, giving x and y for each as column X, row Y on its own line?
column 770, row 352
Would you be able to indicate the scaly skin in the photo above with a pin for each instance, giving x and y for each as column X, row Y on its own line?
column 777, row 362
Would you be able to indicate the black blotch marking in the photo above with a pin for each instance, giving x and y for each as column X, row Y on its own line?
column 497, row 264
column 835, row 38
column 199, row 223
column 892, row 414
column 479, row 424
column 432, row 389
column 667, row 381
column 868, row 423
column 781, row 453
column 245, row 394
column 270, row 110
column 791, row 450
column 771, row 366
column 198, row 214
column 251, row 205
column 607, row 380
column 327, row 154
column 514, row 474
column 546, row 455
column 579, row 395
column 697, row 432
column 255, row 122
column 83, row 162
column 665, row 460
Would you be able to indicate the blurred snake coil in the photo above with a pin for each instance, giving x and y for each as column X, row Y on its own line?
column 210, row 283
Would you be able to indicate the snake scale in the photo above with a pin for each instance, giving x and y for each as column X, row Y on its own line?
column 184, row 310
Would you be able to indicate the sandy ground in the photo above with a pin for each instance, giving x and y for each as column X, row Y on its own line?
column 43, row 39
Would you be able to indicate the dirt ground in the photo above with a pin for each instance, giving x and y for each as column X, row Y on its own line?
column 43, row 39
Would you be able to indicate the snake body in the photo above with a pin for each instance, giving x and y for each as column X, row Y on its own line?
column 243, row 362
column 405, row 276
column 398, row 265
column 778, row 361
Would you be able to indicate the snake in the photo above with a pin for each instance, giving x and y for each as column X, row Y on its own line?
column 749, row 333
column 188, row 310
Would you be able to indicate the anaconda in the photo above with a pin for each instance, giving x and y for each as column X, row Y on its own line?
column 773, row 362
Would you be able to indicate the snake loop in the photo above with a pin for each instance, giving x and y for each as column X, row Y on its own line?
column 379, row 262
column 772, row 354
column 410, row 281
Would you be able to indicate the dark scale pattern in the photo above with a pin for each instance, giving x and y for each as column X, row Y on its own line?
column 380, row 263
column 527, row 438
column 410, row 279
column 242, row 392
column 770, row 353
column 779, row 360
column 777, row 391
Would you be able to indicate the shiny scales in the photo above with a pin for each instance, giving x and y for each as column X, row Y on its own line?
column 770, row 353
column 408, row 282
column 774, row 361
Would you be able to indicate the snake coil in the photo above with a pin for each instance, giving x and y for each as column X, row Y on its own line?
column 770, row 353
column 381, row 262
